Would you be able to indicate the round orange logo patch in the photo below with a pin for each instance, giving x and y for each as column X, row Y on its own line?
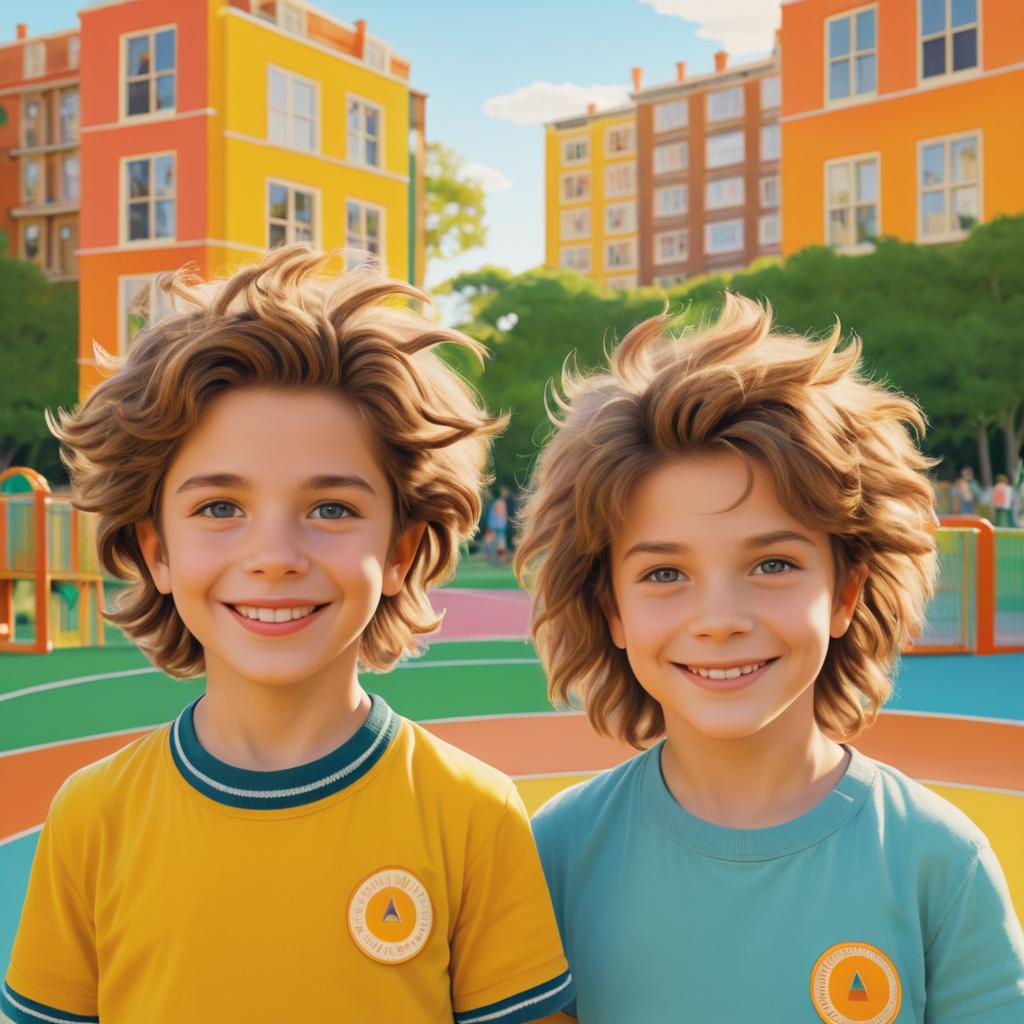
column 390, row 915
column 854, row 983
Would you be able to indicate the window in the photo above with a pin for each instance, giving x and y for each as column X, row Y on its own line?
column 375, row 55
column 725, row 148
column 723, row 192
column 851, row 196
column 670, row 201
column 768, row 232
column 291, row 106
column 30, row 242
column 364, row 230
column 142, row 302
column 69, row 115
column 290, row 214
column 770, row 145
column 33, row 129
column 575, row 186
column 619, row 217
column 69, row 178
column 949, row 36
column 619, row 141
column 669, row 157
column 149, row 63
column 74, row 51
column 35, row 59
column 575, row 151
column 851, row 46
column 671, row 115
column 770, row 191
column 31, row 182
column 364, row 133
column 150, row 188
column 67, row 242
column 620, row 254
column 576, row 223
column 725, row 103
column 622, row 282
column 575, row 257
column 619, row 179
column 671, row 246
column 771, row 92
column 669, row 280
column 950, row 177
column 723, row 236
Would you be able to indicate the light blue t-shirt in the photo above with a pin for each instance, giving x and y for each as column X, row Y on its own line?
column 881, row 904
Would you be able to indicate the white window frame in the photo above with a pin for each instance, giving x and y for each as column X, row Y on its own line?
column 361, row 132
column 280, row 17
column 587, row 192
column 43, row 136
column 709, row 139
column 65, row 159
column 731, row 111
column 767, row 218
column 567, row 216
column 610, row 171
column 73, row 135
column 364, row 205
column 289, row 220
column 382, row 55
column 290, row 116
column 661, row 190
column 659, row 258
column 74, row 51
column 722, row 202
column 854, row 96
column 152, row 114
column 766, row 157
column 853, row 160
column 777, row 80
column 764, row 187
column 710, row 226
column 34, row 58
column 159, row 304
column 575, row 140
column 660, row 115
column 949, row 75
column 681, row 146
column 630, row 226
column 948, row 185
column 566, row 258
column 39, row 163
column 124, row 214
column 631, row 138
column 630, row 246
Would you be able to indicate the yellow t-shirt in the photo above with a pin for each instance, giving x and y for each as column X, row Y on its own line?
column 394, row 881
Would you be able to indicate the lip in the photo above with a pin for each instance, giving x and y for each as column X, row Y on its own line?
column 275, row 602
column 274, row 628
column 724, row 685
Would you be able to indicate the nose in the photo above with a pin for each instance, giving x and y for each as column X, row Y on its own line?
column 274, row 550
column 719, row 613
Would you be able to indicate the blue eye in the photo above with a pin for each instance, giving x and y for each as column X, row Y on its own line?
column 209, row 506
column 781, row 565
column 337, row 510
column 664, row 575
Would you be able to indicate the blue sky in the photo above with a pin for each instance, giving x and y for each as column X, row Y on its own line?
column 468, row 56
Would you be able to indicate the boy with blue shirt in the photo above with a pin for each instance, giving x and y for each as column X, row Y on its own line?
column 281, row 468
column 728, row 540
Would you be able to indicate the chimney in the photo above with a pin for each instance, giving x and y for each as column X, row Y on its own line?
column 591, row 109
column 22, row 30
column 638, row 77
column 721, row 59
column 361, row 38
column 680, row 70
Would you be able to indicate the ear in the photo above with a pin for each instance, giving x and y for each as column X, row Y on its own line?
column 402, row 554
column 846, row 602
column 614, row 620
column 154, row 554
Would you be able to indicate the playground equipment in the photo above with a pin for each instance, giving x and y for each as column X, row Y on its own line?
column 47, row 547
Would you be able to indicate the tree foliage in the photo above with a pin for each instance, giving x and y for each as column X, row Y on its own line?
column 454, row 205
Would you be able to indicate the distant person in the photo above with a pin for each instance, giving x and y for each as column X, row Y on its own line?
column 1002, row 501
column 497, row 520
column 966, row 492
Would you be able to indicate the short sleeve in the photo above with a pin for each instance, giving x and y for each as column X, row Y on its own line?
column 53, row 973
column 507, row 960
column 974, row 967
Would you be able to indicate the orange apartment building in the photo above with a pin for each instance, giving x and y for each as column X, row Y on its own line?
column 900, row 118
column 39, row 149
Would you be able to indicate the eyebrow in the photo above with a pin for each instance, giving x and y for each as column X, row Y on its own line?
column 320, row 482
column 755, row 543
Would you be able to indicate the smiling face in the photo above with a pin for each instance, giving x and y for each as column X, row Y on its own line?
column 725, row 616
column 276, row 506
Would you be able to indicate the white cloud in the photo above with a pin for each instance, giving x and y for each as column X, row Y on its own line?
column 490, row 180
column 544, row 101
column 741, row 26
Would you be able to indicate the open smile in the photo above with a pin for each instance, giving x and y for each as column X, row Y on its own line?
column 275, row 621
column 718, row 680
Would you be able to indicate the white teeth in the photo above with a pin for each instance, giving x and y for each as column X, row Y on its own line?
column 726, row 673
column 274, row 614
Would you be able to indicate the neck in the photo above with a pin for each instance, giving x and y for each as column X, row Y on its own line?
column 757, row 781
column 267, row 727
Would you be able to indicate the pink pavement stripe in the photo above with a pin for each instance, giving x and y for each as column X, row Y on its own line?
column 482, row 615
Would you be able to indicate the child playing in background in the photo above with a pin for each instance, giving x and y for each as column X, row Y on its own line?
column 728, row 541
column 282, row 468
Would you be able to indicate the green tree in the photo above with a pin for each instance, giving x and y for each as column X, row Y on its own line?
column 454, row 205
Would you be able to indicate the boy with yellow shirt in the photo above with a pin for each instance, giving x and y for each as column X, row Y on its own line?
column 288, row 848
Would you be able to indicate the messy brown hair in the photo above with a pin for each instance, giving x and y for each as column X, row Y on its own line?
column 282, row 323
column 841, row 451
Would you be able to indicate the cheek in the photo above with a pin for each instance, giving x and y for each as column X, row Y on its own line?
column 649, row 622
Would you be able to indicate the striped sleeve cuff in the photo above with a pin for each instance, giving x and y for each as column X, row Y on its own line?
column 534, row 1003
column 22, row 1010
